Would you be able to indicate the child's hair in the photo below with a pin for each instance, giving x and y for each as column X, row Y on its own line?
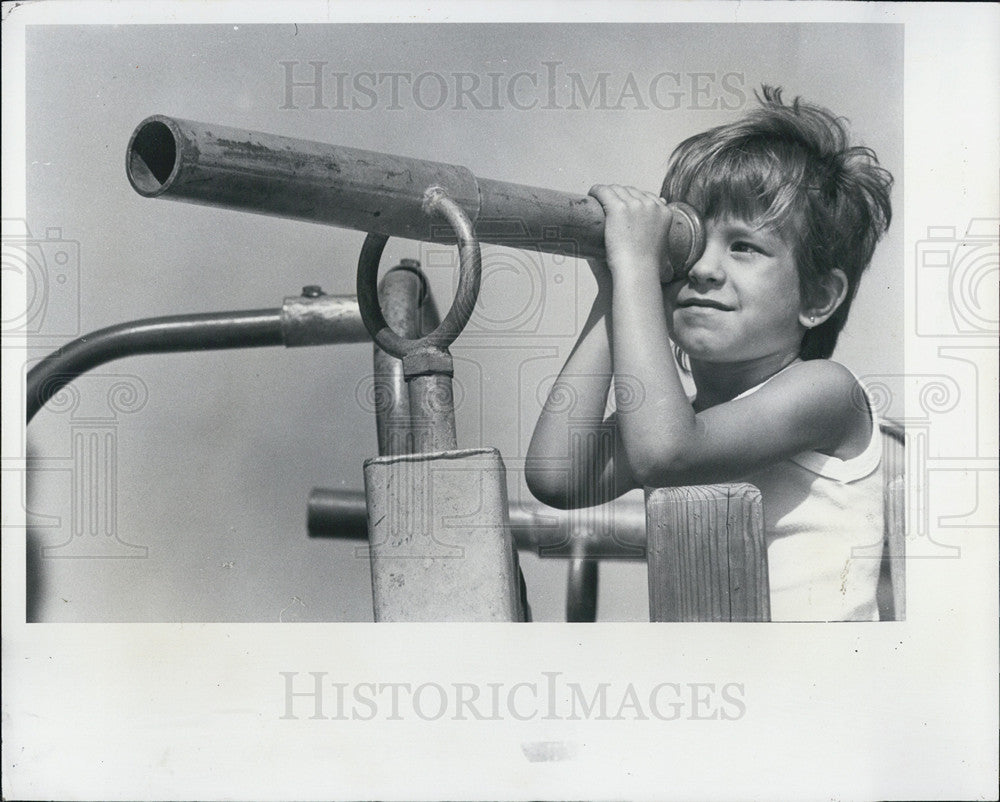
column 790, row 167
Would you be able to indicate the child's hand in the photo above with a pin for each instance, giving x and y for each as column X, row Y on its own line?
column 636, row 229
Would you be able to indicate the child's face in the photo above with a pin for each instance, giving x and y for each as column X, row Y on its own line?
column 741, row 300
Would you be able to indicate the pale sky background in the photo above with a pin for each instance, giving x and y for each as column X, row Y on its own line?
column 214, row 470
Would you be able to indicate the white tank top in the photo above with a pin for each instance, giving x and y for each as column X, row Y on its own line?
column 823, row 520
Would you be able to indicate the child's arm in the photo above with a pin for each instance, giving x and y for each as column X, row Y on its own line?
column 574, row 458
column 814, row 405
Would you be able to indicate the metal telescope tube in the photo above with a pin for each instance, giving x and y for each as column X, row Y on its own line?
column 364, row 190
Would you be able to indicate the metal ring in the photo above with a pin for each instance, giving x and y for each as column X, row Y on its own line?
column 436, row 200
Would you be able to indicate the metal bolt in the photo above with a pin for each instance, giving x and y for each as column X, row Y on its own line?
column 312, row 291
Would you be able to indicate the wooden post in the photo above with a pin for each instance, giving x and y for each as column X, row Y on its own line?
column 894, row 553
column 706, row 554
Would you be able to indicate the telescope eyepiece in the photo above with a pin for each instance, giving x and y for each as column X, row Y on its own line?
column 685, row 241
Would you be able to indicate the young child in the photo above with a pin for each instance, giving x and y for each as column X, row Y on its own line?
column 792, row 214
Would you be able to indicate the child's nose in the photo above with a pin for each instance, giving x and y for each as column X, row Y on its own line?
column 708, row 270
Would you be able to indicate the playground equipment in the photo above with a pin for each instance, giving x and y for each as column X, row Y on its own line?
column 696, row 536
column 368, row 191
column 440, row 541
column 441, row 533
column 313, row 318
column 704, row 545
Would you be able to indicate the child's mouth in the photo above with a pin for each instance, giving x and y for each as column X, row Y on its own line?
column 706, row 303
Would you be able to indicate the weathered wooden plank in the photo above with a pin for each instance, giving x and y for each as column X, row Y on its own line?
column 706, row 554
column 894, row 555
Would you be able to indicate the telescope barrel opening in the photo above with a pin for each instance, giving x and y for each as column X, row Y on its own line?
column 152, row 157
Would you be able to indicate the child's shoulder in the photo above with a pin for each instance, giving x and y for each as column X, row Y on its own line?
column 817, row 378
column 825, row 373
column 815, row 392
column 838, row 401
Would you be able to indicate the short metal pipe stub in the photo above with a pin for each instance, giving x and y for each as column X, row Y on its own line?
column 320, row 319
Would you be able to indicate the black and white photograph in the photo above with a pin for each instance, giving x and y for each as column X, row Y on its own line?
column 467, row 402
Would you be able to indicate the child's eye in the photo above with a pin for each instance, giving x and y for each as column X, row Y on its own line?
column 741, row 246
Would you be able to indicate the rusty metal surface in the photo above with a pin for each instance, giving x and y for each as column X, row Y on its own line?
column 556, row 222
column 685, row 241
column 615, row 531
column 285, row 177
column 440, row 544
column 551, row 221
column 363, row 190
column 319, row 319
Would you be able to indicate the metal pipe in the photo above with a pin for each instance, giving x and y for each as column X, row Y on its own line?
column 347, row 187
column 409, row 310
column 158, row 335
column 315, row 318
column 546, row 531
column 432, row 412
column 367, row 191
column 581, row 590
column 400, row 294
column 337, row 513
column 320, row 319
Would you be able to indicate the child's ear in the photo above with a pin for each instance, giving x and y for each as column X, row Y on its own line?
column 831, row 296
